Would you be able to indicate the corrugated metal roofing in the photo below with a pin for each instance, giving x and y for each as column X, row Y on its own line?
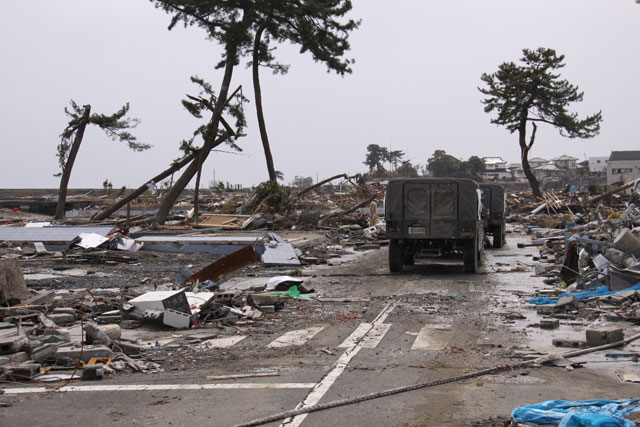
column 50, row 234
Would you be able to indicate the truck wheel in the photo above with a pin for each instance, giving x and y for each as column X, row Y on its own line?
column 395, row 256
column 470, row 257
column 498, row 237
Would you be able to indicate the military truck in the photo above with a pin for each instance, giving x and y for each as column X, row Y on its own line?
column 433, row 217
column 493, row 200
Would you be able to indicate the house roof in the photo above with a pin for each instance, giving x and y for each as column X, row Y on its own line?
column 538, row 160
column 564, row 157
column 492, row 160
column 514, row 166
column 624, row 155
column 550, row 167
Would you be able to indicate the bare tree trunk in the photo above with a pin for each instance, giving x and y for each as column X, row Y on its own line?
column 210, row 142
column 524, row 153
column 120, row 203
column 73, row 152
column 196, row 196
column 258, row 95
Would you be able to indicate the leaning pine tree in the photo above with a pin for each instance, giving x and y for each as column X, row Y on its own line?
column 533, row 92
column 115, row 126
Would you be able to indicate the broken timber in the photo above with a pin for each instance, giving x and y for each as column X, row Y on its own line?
column 224, row 266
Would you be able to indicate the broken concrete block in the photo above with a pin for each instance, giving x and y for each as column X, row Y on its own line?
column 604, row 335
column 543, row 268
column 44, row 352
column 268, row 308
column 615, row 256
column 53, row 335
column 545, row 309
column 40, row 298
column 627, row 242
column 66, row 310
column 18, row 357
column 13, row 289
column 93, row 372
column 62, row 318
column 620, row 297
column 130, row 324
column 549, row 323
column 21, row 371
column 73, row 353
column 565, row 302
column 94, row 334
column 129, row 348
column 10, row 345
column 570, row 343
column 113, row 331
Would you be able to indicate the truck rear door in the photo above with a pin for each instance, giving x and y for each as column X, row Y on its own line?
column 417, row 209
column 444, row 211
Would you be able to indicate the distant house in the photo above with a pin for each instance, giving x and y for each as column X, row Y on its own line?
column 623, row 166
column 516, row 171
column 495, row 168
column 548, row 171
column 598, row 164
column 565, row 162
column 537, row 162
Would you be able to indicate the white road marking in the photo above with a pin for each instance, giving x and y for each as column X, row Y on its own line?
column 222, row 342
column 320, row 389
column 298, row 337
column 370, row 335
column 430, row 338
column 155, row 387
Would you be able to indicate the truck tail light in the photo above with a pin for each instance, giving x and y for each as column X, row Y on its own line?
column 468, row 229
column 392, row 229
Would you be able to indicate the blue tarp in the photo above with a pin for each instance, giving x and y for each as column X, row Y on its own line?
column 601, row 291
column 585, row 413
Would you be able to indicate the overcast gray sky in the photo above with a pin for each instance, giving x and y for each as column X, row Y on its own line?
column 413, row 87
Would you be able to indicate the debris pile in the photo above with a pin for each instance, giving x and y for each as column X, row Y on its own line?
column 593, row 264
column 46, row 336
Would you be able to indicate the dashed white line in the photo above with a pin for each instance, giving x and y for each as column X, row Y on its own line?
column 370, row 335
column 298, row 337
column 222, row 342
column 320, row 389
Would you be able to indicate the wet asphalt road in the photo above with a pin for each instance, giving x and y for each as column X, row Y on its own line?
column 426, row 324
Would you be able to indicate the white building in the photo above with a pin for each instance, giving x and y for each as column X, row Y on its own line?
column 565, row 162
column 495, row 168
column 623, row 166
column 598, row 164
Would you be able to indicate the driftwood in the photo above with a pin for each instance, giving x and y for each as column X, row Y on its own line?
column 324, row 181
column 614, row 191
column 348, row 211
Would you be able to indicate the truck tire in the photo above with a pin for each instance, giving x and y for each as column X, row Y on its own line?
column 498, row 236
column 395, row 256
column 470, row 255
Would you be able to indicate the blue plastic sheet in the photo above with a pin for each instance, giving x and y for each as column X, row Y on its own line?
column 601, row 291
column 584, row 413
